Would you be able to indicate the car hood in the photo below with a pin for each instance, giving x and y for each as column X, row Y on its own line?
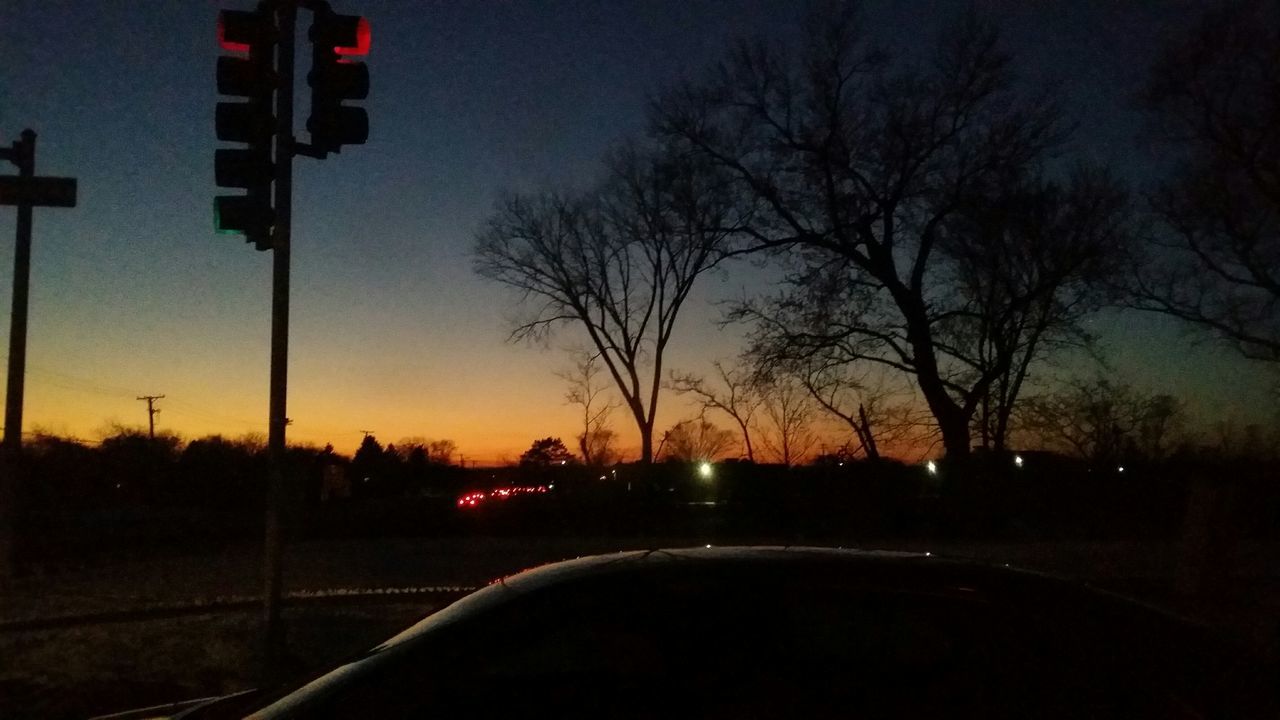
column 172, row 711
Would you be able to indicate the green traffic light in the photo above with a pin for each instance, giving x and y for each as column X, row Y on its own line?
column 217, row 221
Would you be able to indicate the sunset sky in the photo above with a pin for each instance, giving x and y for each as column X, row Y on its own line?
column 133, row 293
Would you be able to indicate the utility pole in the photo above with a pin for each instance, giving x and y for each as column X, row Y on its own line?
column 151, row 413
column 24, row 156
column 25, row 191
column 367, row 433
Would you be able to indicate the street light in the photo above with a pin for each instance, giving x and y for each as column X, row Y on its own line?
column 704, row 469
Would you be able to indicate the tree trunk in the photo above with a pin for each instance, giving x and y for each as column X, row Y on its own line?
column 746, row 440
column 953, row 421
column 868, row 440
column 646, row 443
column 955, row 433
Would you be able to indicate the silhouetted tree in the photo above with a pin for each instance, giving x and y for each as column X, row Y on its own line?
column 695, row 440
column 1214, row 260
column 595, row 442
column 369, row 471
column 441, row 452
column 789, row 409
column 618, row 262
column 369, row 454
column 735, row 396
column 1104, row 421
column 1234, row 440
column 416, row 457
column 870, row 178
column 69, row 472
column 545, row 453
column 865, row 401
column 139, row 466
column 223, row 473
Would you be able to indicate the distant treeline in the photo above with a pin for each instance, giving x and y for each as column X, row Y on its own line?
column 131, row 492
column 129, row 468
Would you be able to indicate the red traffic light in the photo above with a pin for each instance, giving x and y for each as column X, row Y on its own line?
column 233, row 38
column 363, row 38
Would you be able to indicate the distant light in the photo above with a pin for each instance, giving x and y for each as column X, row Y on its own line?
column 708, row 546
column 563, row 462
column 932, row 467
column 1017, row 460
column 928, row 554
column 704, row 469
column 1120, row 469
column 840, row 464
column 602, row 477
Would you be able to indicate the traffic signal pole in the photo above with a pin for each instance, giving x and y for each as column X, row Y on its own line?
column 264, row 80
column 273, row 542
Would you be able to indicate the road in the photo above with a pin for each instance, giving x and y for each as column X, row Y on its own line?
column 470, row 561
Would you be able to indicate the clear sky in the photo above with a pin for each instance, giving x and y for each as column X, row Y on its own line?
column 133, row 293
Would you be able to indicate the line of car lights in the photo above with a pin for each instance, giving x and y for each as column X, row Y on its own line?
column 475, row 497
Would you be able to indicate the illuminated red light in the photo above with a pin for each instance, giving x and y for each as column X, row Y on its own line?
column 471, row 499
column 228, row 44
column 363, row 39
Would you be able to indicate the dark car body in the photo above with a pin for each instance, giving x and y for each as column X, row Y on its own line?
column 783, row 632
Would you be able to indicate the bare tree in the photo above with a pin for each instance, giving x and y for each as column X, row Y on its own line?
column 1103, row 421
column 618, row 262
column 1160, row 426
column 695, row 440
column 790, row 411
column 441, row 451
column 862, row 173
column 867, row 403
column 738, row 397
column 1214, row 103
column 587, row 391
column 1029, row 265
column 1234, row 440
column 406, row 446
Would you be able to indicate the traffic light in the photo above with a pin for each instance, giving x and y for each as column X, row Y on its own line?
column 335, row 78
column 250, row 122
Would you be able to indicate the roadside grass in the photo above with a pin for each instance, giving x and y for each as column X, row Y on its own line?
column 90, row 670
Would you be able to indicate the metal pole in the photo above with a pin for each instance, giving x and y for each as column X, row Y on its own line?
column 273, row 544
column 24, row 156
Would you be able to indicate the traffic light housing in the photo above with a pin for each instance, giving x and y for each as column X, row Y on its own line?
column 250, row 74
column 335, row 78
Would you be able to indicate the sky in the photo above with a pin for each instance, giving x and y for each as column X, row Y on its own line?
column 391, row 331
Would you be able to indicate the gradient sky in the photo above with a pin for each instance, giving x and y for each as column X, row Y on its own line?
column 132, row 292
